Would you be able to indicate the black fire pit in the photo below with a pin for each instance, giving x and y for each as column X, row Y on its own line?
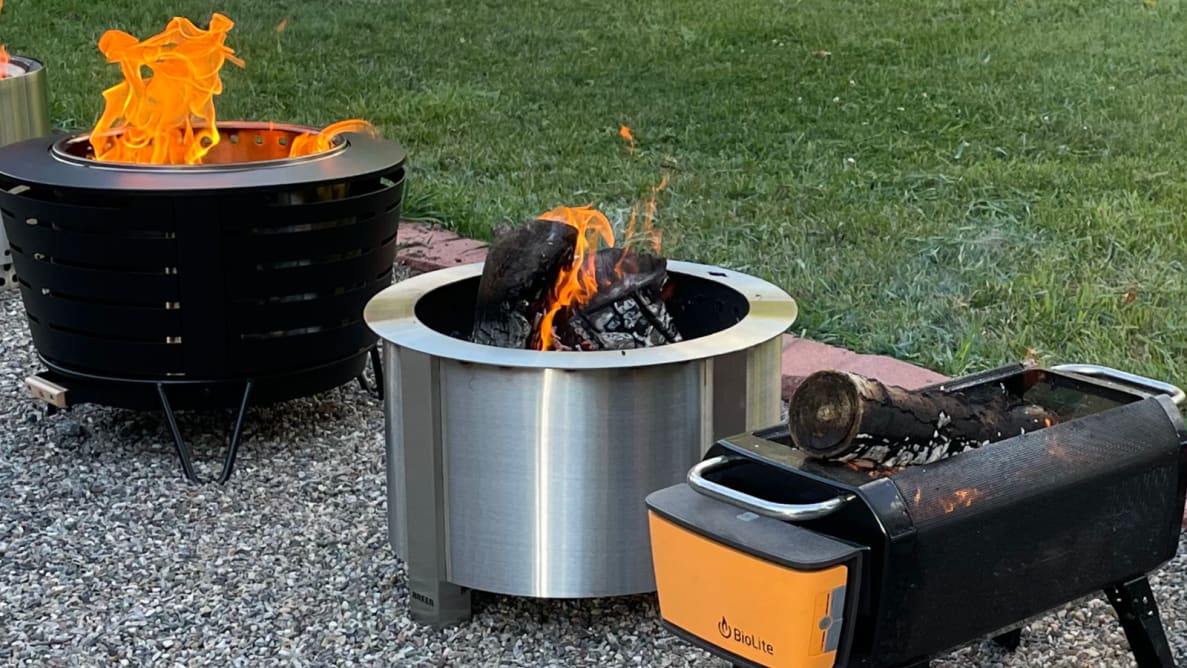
column 205, row 286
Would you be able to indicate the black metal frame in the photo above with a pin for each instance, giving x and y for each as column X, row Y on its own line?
column 205, row 395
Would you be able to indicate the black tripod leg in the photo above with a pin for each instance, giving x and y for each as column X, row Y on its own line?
column 1010, row 640
column 236, row 435
column 183, row 449
column 1138, row 611
column 377, row 369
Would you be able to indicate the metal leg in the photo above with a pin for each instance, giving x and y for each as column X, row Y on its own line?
column 1138, row 611
column 438, row 603
column 183, row 449
column 377, row 369
column 236, row 434
column 1010, row 640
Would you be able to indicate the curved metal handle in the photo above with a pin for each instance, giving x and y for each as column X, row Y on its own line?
column 1125, row 377
column 789, row 512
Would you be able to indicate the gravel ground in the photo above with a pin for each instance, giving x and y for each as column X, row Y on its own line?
column 108, row 557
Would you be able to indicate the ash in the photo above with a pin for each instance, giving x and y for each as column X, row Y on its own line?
column 108, row 557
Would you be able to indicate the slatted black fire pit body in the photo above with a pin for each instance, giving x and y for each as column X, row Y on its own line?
column 201, row 286
column 938, row 556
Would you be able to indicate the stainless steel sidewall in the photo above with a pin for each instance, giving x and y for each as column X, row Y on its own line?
column 544, row 472
column 24, row 107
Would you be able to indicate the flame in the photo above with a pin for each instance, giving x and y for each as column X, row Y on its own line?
column 625, row 133
column 577, row 283
column 3, row 53
column 168, row 117
column 961, row 498
column 309, row 143
column 282, row 25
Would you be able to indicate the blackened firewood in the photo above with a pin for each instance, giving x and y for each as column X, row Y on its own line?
column 628, row 311
column 521, row 267
column 845, row 417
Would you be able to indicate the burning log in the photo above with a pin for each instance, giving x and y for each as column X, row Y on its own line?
column 845, row 417
column 521, row 267
column 628, row 310
column 544, row 287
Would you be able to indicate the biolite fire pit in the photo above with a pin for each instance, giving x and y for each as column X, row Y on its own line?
column 523, row 472
column 200, row 286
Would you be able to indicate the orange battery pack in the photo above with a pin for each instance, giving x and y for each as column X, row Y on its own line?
column 753, row 590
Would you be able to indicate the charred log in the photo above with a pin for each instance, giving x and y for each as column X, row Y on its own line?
column 845, row 417
column 628, row 310
column 521, row 267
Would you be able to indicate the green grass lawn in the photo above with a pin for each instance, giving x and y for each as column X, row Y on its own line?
column 952, row 183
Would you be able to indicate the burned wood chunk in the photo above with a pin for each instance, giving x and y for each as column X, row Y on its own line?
column 628, row 310
column 844, row 417
column 521, row 268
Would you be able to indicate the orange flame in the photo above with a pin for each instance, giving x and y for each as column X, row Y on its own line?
column 282, row 25
column 317, row 142
column 168, row 117
column 3, row 53
column 961, row 498
column 625, row 133
column 577, row 283
column 152, row 119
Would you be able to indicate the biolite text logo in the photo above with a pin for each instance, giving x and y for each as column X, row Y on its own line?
column 730, row 632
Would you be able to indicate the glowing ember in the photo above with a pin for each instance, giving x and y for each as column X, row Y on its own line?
column 625, row 133
column 578, row 283
column 3, row 53
column 961, row 498
column 168, row 117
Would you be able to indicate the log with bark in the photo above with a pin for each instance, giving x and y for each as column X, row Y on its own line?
column 521, row 267
column 845, row 417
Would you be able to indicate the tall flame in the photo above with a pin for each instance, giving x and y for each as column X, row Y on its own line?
column 577, row 283
column 3, row 53
column 167, row 117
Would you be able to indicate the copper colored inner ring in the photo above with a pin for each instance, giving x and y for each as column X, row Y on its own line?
column 238, row 143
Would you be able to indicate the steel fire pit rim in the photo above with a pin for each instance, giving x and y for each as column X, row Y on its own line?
column 33, row 162
column 391, row 314
column 24, row 65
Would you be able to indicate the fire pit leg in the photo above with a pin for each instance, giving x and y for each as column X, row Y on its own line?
column 183, row 449
column 1138, row 611
column 377, row 369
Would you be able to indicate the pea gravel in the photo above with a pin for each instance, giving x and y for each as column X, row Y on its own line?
column 107, row 557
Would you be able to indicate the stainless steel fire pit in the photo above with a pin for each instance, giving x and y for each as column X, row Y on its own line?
column 523, row 472
column 24, row 114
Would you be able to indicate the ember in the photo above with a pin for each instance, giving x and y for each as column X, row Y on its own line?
column 3, row 53
column 168, row 118
column 961, row 498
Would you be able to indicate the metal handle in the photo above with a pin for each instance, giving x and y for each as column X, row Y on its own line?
column 1125, row 377
column 790, row 512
